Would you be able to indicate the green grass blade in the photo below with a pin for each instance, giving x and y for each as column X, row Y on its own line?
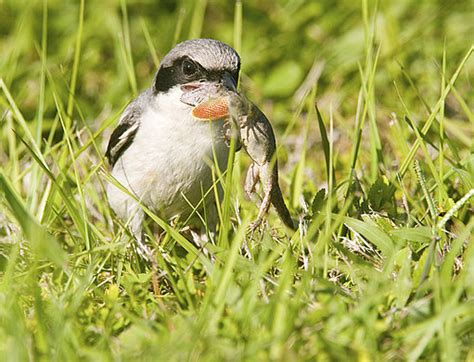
column 41, row 241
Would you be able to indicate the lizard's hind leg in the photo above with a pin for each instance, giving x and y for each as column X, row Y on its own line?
column 251, row 181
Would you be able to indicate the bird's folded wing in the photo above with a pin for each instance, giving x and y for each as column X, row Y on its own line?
column 123, row 135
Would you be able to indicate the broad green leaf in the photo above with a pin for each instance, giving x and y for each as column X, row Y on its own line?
column 373, row 233
column 380, row 193
column 318, row 201
column 421, row 235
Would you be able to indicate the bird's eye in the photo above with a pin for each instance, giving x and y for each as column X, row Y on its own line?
column 189, row 68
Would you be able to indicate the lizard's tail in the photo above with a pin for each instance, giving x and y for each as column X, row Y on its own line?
column 281, row 209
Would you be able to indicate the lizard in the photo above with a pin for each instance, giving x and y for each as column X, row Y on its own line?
column 256, row 135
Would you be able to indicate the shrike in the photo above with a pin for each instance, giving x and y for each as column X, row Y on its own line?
column 164, row 146
column 159, row 151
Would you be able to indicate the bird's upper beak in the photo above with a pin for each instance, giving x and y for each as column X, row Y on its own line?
column 229, row 82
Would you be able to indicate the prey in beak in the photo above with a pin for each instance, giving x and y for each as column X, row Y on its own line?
column 212, row 109
column 210, row 99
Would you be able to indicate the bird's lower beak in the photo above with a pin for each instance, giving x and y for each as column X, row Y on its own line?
column 193, row 86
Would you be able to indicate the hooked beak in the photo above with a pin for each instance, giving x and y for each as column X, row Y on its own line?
column 229, row 82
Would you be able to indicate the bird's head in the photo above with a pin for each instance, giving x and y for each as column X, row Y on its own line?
column 197, row 70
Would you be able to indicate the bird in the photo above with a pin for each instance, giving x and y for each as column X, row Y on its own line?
column 159, row 151
column 170, row 137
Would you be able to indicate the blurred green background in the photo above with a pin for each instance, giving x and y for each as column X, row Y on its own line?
column 281, row 40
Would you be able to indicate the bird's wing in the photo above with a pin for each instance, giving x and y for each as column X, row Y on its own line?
column 123, row 135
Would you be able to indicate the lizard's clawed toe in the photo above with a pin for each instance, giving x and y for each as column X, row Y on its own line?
column 256, row 225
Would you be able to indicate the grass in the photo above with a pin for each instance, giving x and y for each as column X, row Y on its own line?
column 380, row 176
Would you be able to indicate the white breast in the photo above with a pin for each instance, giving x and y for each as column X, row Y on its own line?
column 170, row 157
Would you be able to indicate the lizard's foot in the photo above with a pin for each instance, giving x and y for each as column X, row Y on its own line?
column 256, row 225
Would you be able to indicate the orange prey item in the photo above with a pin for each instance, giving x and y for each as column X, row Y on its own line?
column 212, row 109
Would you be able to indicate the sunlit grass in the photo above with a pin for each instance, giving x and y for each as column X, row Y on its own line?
column 372, row 107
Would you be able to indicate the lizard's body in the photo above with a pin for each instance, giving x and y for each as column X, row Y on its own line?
column 258, row 139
